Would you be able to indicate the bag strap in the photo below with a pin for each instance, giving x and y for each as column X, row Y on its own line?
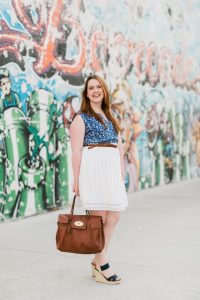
column 73, row 205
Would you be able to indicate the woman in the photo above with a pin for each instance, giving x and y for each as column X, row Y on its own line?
column 98, row 168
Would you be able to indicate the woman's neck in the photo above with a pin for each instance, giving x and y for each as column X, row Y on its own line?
column 97, row 108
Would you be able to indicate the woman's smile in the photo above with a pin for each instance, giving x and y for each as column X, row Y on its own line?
column 97, row 96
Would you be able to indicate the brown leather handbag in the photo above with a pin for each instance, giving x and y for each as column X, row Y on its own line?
column 82, row 234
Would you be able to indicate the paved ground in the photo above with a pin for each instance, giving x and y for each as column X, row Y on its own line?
column 155, row 249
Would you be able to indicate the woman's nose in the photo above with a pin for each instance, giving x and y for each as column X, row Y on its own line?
column 96, row 89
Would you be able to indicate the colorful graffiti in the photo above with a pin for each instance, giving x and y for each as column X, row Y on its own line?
column 33, row 153
column 149, row 59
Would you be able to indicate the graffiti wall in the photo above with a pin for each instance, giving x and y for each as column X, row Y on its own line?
column 147, row 51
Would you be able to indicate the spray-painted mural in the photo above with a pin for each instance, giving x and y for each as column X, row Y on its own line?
column 147, row 52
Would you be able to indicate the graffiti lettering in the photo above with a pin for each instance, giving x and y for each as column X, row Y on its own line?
column 98, row 49
column 10, row 41
column 152, row 64
column 49, row 43
column 164, row 66
column 46, row 50
column 124, row 52
column 140, row 67
column 24, row 17
column 178, row 75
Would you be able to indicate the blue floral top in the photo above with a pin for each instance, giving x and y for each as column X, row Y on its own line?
column 95, row 132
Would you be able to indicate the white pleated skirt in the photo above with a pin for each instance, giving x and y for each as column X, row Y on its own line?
column 101, row 185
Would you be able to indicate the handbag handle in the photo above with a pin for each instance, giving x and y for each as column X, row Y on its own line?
column 73, row 205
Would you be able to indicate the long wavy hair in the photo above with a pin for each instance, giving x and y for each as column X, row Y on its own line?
column 106, row 105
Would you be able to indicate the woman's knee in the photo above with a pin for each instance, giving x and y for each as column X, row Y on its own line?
column 112, row 218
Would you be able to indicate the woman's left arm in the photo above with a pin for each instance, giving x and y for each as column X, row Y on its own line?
column 121, row 152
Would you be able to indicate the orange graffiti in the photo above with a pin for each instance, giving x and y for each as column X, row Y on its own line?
column 25, row 19
column 47, row 56
column 46, row 49
column 98, row 49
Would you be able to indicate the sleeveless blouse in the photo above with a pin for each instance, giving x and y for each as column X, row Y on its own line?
column 97, row 133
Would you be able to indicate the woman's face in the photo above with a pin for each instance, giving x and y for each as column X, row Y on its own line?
column 5, row 86
column 95, row 91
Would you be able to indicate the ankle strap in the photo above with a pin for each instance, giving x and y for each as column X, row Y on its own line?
column 105, row 267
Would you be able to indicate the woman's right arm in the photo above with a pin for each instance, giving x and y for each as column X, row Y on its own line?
column 77, row 132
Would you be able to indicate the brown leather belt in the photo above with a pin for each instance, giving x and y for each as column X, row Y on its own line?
column 90, row 146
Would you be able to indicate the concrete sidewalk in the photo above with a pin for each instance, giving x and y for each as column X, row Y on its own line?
column 155, row 249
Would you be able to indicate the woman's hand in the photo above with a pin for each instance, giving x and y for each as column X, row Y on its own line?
column 76, row 188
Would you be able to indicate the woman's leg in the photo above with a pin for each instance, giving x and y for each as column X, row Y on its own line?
column 110, row 219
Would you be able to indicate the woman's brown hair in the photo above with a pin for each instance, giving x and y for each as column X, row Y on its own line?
column 86, row 107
